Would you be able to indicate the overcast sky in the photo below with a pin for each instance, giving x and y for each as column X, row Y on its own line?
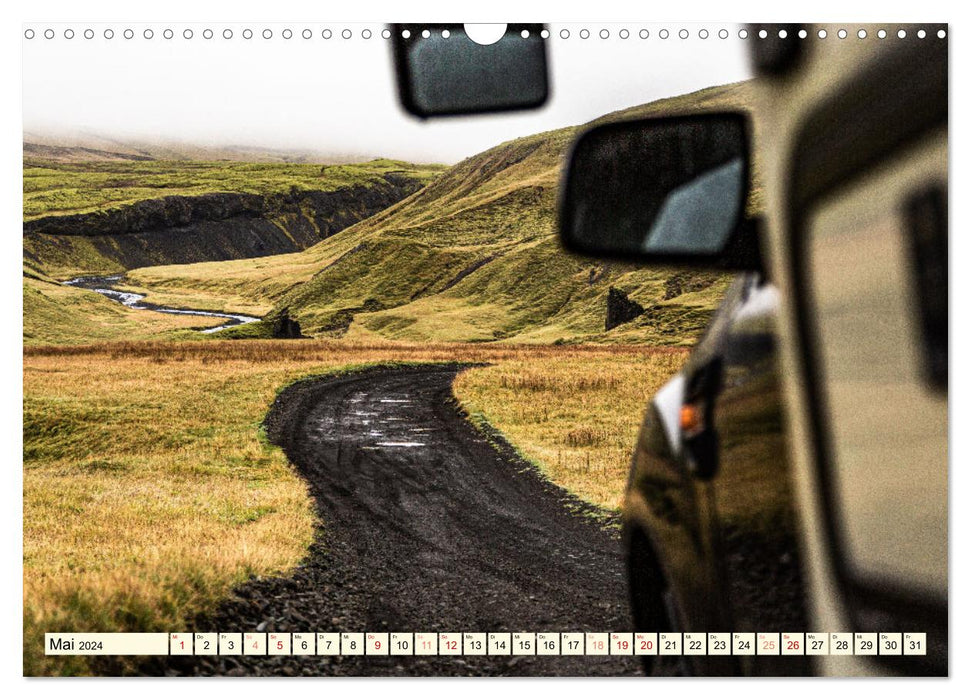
column 336, row 95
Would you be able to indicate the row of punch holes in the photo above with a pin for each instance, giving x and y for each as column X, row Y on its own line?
column 544, row 34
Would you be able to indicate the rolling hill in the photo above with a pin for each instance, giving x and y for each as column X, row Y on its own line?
column 473, row 256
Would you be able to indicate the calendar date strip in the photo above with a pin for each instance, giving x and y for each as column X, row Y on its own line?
column 486, row 644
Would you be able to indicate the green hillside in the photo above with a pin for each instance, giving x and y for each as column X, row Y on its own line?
column 56, row 188
column 473, row 256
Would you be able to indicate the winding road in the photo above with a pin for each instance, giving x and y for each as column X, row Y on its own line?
column 427, row 525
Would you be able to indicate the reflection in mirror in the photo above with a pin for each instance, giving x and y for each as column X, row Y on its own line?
column 698, row 216
column 657, row 188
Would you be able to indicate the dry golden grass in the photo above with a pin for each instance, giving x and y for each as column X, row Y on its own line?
column 576, row 416
column 149, row 492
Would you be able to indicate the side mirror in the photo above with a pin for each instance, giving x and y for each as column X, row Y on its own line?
column 670, row 190
column 442, row 72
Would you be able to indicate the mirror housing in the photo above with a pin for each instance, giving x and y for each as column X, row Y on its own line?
column 455, row 76
column 672, row 190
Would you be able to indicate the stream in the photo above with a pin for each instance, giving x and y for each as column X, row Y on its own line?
column 103, row 285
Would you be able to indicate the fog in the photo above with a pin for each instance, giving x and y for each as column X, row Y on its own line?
column 334, row 96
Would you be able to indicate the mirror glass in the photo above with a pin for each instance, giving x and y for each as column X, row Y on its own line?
column 657, row 188
column 443, row 72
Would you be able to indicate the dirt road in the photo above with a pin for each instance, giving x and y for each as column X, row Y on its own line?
column 427, row 526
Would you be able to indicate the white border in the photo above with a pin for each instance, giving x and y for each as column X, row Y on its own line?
column 493, row 10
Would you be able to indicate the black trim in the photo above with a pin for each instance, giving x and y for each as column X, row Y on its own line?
column 776, row 56
column 884, row 108
column 926, row 215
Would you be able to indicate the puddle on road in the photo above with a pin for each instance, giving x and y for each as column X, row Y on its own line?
column 401, row 444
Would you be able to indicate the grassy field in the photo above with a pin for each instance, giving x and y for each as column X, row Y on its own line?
column 54, row 313
column 472, row 257
column 576, row 419
column 59, row 188
column 149, row 492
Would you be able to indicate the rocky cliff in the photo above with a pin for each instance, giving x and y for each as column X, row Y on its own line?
column 217, row 226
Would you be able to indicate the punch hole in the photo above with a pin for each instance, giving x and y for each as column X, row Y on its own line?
column 327, row 34
column 604, row 34
column 524, row 34
column 68, row 33
column 247, row 33
column 841, row 33
column 783, row 34
column 109, row 34
column 366, row 34
column 564, row 33
column 902, row 34
column 346, row 34
column 227, row 33
column 267, row 33
column 207, row 34
column 861, row 34
column 763, row 34
column 485, row 34
column 584, row 33
column 129, row 34
column 941, row 34
column 385, row 33
column 803, row 33
column 921, row 34
column 405, row 34
column 623, row 33
column 821, row 34
column 722, row 33
column 287, row 33
column 644, row 34
column 306, row 34
column 48, row 33
column 168, row 34
column 882, row 34
column 743, row 34
column 424, row 35
column 545, row 34
column 683, row 34
column 187, row 34
column 29, row 34
column 664, row 33
column 148, row 34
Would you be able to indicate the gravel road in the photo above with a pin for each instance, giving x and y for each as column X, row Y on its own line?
column 426, row 525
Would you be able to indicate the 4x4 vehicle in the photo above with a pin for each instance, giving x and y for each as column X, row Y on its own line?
column 793, row 477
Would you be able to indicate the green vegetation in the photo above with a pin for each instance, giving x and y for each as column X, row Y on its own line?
column 54, row 313
column 59, row 188
column 471, row 257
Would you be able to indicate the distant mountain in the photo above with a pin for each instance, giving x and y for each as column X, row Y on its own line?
column 86, row 146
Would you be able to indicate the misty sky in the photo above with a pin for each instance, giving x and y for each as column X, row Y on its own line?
column 334, row 96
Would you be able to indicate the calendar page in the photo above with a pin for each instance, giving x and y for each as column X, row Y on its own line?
column 369, row 348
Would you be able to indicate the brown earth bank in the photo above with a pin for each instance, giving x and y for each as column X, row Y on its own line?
column 216, row 226
column 426, row 524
